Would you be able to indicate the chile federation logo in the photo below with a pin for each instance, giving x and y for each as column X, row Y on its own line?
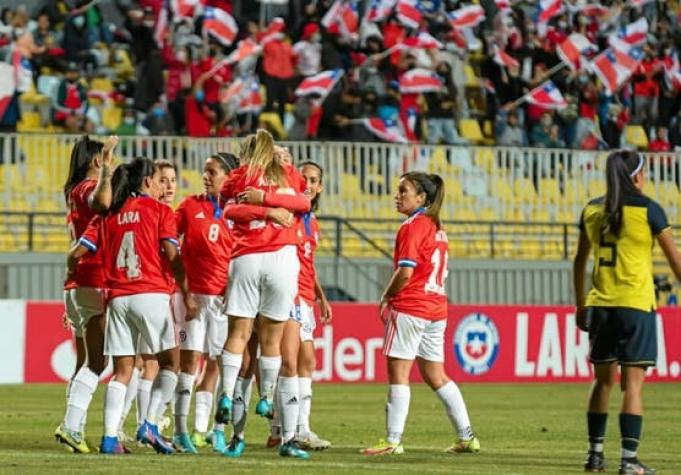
column 476, row 343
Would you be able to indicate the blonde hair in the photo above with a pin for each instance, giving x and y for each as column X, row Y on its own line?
column 247, row 149
column 262, row 161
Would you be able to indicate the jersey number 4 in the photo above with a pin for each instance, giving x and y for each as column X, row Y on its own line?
column 127, row 257
column 436, row 281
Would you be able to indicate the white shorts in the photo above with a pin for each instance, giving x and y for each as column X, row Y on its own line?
column 143, row 316
column 408, row 337
column 263, row 283
column 208, row 331
column 83, row 303
column 304, row 314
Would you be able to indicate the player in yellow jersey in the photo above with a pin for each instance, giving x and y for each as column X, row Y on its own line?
column 619, row 309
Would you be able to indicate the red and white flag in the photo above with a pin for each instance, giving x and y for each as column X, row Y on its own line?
column 332, row 14
column 244, row 49
column 184, row 8
column 251, row 100
column 504, row 59
column 631, row 35
column 7, row 86
column 343, row 19
column 614, row 67
column 573, row 48
column 379, row 10
column 423, row 40
column 274, row 31
column 408, row 13
column 467, row 17
column 593, row 10
column 546, row 96
column 548, row 9
column 503, row 5
column 418, row 81
column 387, row 130
column 23, row 72
column 321, row 83
column 232, row 91
column 161, row 26
column 220, row 25
column 672, row 73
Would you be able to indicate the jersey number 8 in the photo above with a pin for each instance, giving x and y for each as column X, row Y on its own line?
column 127, row 257
column 436, row 281
column 213, row 232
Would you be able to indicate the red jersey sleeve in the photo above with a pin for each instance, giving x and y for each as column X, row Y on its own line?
column 181, row 218
column 90, row 238
column 167, row 229
column 298, row 203
column 83, row 192
column 243, row 213
column 407, row 245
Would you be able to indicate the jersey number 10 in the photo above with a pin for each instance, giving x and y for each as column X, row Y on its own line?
column 436, row 281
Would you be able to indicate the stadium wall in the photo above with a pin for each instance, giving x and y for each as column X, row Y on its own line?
column 483, row 343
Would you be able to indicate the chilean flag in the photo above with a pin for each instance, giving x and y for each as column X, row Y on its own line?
column 385, row 129
column 252, row 99
column 332, row 14
column 161, row 26
column 244, row 49
column 672, row 73
column 348, row 23
column 571, row 50
column 321, row 83
column 234, row 90
column 184, row 8
column 548, row 9
column 7, row 86
column 423, row 40
column 546, row 96
column 614, row 67
column 379, row 10
column 469, row 16
column 220, row 25
column 504, row 59
column 634, row 34
column 417, row 81
column 408, row 13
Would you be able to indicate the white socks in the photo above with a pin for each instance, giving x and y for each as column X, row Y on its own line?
column 269, row 370
column 230, row 364
column 397, row 409
column 161, row 393
column 305, row 393
column 451, row 397
column 183, row 399
column 204, row 405
column 114, row 399
column 143, row 396
column 81, row 390
column 242, row 398
column 130, row 395
column 287, row 395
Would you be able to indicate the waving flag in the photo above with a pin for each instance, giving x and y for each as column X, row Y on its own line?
column 7, row 86
column 593, row 10
column 614, row 67
column 251, row 101
column 573, row 48
column 548, row 9
column 423, row 40
column 467, row 17
column 547, row 96
column 23, row 71
column 379, row 10
column 161, row 26
column 332, row 14
column 504, row 59
column 321, row 83
column 417, row 81
column 220, row 25
column 672, row 72
column 631, row 35
column 348, row 22
column 184, row 8
column 244, row 49
column 231, row 92
column 385, row 129
column 408, row 13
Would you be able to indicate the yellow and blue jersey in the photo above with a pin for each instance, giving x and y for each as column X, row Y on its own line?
column 623, row 265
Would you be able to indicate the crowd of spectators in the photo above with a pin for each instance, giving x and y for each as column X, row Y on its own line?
column 165, row 80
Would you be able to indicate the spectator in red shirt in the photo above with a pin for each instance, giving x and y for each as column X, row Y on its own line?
column 661, row 142
column 200, row 119
column 647, row 89
column 278, row 72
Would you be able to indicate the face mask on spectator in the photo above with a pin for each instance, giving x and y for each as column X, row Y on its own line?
column 79, row 21
column 149, row 23
column 198, row 95
column 129, row 120
column 583, row 20
column 562, row 24
column 158, row 111
column 316, row 38
column 583, row 79
column 182, row 55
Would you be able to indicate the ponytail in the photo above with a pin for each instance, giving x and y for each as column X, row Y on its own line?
column 620, row 169
column 82, row 154
column 262, row 162
column 128, row 179
column 434, row 188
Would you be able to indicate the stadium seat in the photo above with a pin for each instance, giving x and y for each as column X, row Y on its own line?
column 30, row 122
column 102, row 84
column 471, row 79
column 111, row 117
column 272, row 122
column 636, row 136
column 33, row 97
column 470, row 130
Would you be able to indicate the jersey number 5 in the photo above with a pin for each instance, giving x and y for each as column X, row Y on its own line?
column 603, row 262
column 127, row 257
column 436, row 281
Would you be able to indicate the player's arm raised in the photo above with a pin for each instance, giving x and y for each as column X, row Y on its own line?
column 578, row 277
column 101, row 197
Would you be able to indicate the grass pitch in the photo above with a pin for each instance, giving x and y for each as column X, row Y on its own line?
column 530, row 428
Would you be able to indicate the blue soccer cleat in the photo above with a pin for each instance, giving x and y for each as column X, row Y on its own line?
column 183, row 443
column 292, row 449
column 148, row 434
column 111, row 446
column 219, row 442
column 264, row 408
column 235, row 448
column 223, row 415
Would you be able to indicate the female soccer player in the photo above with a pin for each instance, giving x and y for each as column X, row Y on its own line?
column 138, row 233
column 619, row 310
column 415, row 302
column 87, row 191
column 263, row 278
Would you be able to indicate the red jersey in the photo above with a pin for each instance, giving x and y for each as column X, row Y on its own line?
column 207, row 244
column 261, row 235
column 89, row 272
column 308, row 233
column 131, row 243
column 421, row 246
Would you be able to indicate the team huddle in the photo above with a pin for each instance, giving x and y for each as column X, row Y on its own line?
column 228, row 279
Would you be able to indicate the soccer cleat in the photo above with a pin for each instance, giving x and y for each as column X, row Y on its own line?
column 112, row 446
column 595, row 462
column 125, row 438
column 219, row 441
column 199, row 440
column 72, row 439
column 235, row 448
column 223, row 415
column 384, row 447
column 183, row 443
column 265, row 408
column 633, row 466
column 312, row 441
column 148, row 434
column 470, row 446
column 273, row 442
column 292, row 449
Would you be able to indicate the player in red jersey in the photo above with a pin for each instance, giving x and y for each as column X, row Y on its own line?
column 414, row 310
column 263, row 280
column 135, row 237
column 87, row 191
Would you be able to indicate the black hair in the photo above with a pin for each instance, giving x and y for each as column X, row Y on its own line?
column 620, row 169
column 82, row 154
column 227, row 161
column 315, row 201
column 128, row 179
column 434, row 188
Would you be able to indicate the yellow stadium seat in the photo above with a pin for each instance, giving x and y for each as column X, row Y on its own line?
column 102, row 84
column 549, row 191
column 273, row 123
column 471, row 78
column 111, row 117
column 32, row 96
column 470, row 130
column 7, row 243
column 30, row 122
column 636, row 136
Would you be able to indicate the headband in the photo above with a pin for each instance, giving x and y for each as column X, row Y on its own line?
column 638, row 168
